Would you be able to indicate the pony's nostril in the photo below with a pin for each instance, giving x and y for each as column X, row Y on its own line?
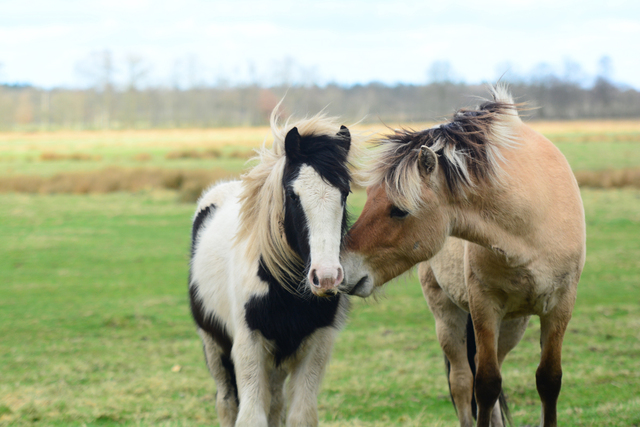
column 315, row 279
column 340, row 276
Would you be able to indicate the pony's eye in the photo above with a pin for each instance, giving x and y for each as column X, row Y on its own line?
column 293, row 196
column 396, row 212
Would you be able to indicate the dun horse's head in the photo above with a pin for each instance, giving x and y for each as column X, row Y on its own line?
column 396, row 231
column 419, row 182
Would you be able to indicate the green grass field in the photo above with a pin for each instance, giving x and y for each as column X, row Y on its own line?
column 96, row 329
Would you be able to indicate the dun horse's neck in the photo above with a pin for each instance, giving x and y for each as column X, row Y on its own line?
column 497, row 222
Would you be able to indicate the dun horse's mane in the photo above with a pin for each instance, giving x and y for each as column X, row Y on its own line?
column 262, row 198
column 468, row 148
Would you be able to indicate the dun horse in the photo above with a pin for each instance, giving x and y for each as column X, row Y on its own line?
column 264, row 264
column 495, row 210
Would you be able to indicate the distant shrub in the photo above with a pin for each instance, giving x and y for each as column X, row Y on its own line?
column 142, row 157
column 193, row 154
column 609, row 178
column 52, row 157
column 237, row 154
column 189, row 183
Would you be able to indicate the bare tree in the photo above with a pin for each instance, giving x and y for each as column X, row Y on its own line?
column 440, row 72
column 98, row 69
column 605, row 68
column 138, row 70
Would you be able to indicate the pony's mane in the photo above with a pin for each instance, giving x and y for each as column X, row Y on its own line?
column 468, row 148
column 262, row 198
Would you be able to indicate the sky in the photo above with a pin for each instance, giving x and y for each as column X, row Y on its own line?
column 49, row 43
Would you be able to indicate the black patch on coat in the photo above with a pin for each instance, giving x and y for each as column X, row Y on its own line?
column 208, row 322
column 197, row 225
column 232, row 385
column 287, row 318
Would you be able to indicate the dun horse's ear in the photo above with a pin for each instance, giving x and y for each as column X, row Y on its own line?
column 427, row 160
column 344, row 137
column 292, row 144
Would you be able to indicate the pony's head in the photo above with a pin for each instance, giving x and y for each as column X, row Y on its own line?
column 294, row 204
column 416, row 182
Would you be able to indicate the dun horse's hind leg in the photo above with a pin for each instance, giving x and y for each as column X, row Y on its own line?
column 221, row 369
column 549, row 374
column 511, row 332
column 451, row 328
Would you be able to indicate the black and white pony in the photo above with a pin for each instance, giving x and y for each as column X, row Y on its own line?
column 265, row 251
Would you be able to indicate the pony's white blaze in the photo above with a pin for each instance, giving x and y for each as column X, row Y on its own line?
column 322, row 204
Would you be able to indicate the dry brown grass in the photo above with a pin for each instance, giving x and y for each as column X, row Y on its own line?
column 586, row 126
column 238, row 154
column 55, row 157
column 598, row 137
column 188, row 183
column 193, row 154
column 142, row 157
column 609, row 178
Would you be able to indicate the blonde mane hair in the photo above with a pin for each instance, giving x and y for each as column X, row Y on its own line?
column 468, row 149
column 263, row 195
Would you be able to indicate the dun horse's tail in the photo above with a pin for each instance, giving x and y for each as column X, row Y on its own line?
column 471, row 357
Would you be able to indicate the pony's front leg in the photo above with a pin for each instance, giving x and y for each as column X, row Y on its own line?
column 276, row 386
column 549, row 374
column 306, row 377
column 250, row 360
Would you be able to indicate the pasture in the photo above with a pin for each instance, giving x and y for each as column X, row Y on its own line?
column 96, row 328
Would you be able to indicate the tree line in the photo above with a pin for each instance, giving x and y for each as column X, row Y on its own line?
column 24, row 107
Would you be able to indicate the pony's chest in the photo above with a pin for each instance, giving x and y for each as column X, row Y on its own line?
column 286, row 319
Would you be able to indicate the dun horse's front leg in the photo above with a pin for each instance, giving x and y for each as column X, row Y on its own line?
column 488, row 382
column 549, row 374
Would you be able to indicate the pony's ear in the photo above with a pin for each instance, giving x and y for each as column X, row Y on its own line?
column 292, row 144
column 344, row 138
column 427, row 160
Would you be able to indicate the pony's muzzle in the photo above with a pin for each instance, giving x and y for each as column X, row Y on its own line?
column 325, row 280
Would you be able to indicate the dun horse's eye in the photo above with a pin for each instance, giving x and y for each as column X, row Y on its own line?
column 396, row 212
